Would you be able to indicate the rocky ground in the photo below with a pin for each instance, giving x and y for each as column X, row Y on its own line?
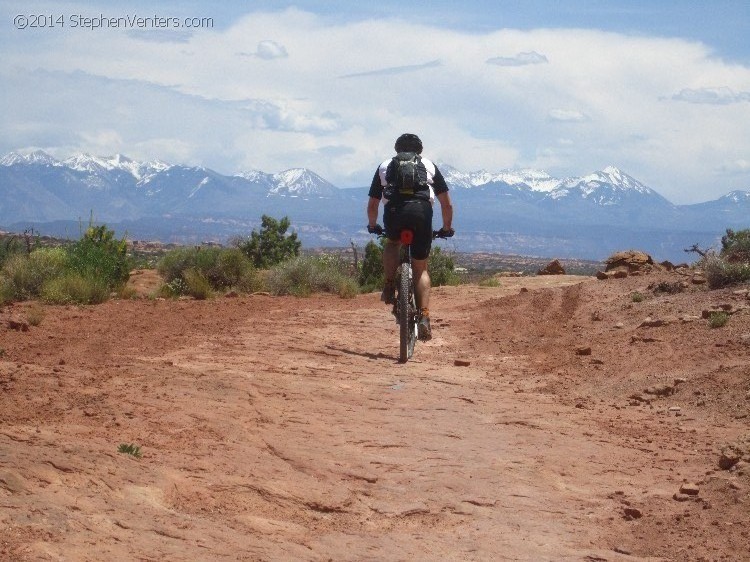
column 550, row 418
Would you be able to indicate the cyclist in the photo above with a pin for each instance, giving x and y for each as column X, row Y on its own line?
column 414, row 212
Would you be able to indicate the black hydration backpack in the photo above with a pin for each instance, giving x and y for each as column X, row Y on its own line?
column 407, row 178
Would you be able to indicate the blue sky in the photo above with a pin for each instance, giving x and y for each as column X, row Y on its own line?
column 658, row 89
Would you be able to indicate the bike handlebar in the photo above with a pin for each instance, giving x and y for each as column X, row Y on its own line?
column 380, row 232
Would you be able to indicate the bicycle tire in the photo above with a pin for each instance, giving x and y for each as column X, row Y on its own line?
column 406, row 310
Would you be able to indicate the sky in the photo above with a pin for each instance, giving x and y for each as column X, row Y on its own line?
column 660, row 90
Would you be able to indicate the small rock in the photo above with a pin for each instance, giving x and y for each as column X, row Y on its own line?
column 602, row 276
column 675, row 409
column 632, row 513
column 730, row 456
column 689, row 489
column 18, row 325
column 524, row 290
column 657, row 322
column 596, row 316
column 681, row 497
column 619, row 325
column 680, row 380
column 552, row 268
column 583, row 350
column 620, row 274
column 660, row 390
column 461, row 363
column 232, row 295
column 698, row 280
column 622, row 550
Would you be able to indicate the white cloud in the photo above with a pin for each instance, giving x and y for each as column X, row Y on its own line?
column 271, row 50
column 228, row 113
column 521, row 59
column 713, row 96
column 567, row 115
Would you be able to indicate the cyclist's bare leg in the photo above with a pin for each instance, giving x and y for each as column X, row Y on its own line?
column 422, row 283
column 391, row 259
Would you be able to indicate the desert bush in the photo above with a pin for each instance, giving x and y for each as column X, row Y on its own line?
column 35, row 315
column 371, row 275
column 74, row 288
column 735, row 246
column 26, row 274
column 441, row 269
column 718, row 318
column 722, row 273
column 637, row 297
column 198, row 286
column 9, row 246
column 489, row 282
column 101, row 257
column 304, row 275
column 271, row 245
column 130, row 449
column 222, row 268
column 6, row 290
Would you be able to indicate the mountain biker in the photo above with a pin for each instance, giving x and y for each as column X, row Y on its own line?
column 414, row 212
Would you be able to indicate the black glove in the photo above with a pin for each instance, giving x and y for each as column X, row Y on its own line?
column 377, row 229
column 446, row 233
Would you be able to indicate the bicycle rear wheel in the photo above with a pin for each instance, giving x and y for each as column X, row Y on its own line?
column 406, row 314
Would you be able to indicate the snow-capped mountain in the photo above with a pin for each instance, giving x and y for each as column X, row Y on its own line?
column 534, row 180
column 608, row 187
column 300, row 182
column 585, row 216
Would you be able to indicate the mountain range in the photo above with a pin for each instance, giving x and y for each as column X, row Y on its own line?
column 513, row 211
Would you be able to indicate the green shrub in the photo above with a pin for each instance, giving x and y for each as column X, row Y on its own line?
column 26, row 274
column 637, row 297
column 304, row 275
column 717, row 319
column 98, row 255
column 722, row 273
column 371, row 275
column 6, row 290
column 35, row 315
column 441, row 269
column 198, row 286
column 74, row 288
column 490, row 282
column 735, row 246
column 9, row 246
column 222, row 268
column 271, row 245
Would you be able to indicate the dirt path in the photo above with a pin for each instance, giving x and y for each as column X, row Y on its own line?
column 284, row 429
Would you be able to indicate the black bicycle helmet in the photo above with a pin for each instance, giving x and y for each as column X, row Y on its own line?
column 408, row 142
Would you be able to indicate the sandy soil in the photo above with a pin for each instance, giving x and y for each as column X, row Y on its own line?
column 544, row 421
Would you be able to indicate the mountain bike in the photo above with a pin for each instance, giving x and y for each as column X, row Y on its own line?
column 405, row 305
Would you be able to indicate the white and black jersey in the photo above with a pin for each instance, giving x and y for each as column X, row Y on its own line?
column 435, row 179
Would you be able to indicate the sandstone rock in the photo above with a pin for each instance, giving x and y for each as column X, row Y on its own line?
column 660, row 390
column 552, row 268
column 583, row 350
column 632, row 513
column 621, row 274
column 631, row 260
column 602, row 276
column 689, row 489
column 461, row 363
column 657, row 322
column 18, row 325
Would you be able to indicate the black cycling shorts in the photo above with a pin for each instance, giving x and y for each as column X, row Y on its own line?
column 415, row 214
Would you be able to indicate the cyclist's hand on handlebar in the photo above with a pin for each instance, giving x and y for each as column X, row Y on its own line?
column 446, row 233
column 377, row 229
